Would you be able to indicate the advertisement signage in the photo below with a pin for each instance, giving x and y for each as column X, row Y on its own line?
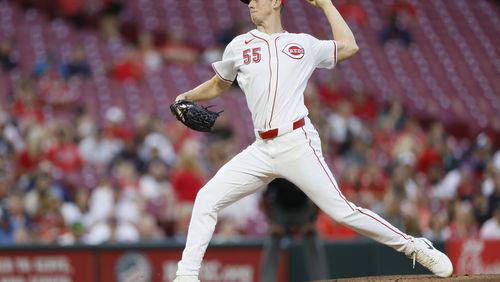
column 120, row 264
column 474, row 256
column 46, row 266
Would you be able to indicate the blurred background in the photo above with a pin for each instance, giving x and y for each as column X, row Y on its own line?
column 90, row 153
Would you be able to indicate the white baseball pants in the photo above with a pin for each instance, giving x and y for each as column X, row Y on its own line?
column 297, row 157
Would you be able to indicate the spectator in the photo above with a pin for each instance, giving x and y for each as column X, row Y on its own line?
column 344, row 125
column 226, row 35
column 401, row 14
column 160, row 199
column 494, row 197
column 154, row 184
column 214, row 52
column 128, row 67
column 27, row 107
column 458, row 183
column 149, row 54
column 115, row 126
column 76, row 210
column 373, row 183
column 114, row 211
column 101, row 202
column 72, row 10
column 64, row 153
column 491, row 228
column 43, row 192
column 493, row 167
column 353, row 12
column 112, row 231
column 30, row 157
column 148, row 229
column 187, row 178
column 126, row 178
column 7, row 147
column 58, row 94
column 393, row 116
column 51, row 228
column 178, row 50
column 157, row 146
column 109, row 18
column 77, row 66
column 463, row 224
column 431, row 155
column 98, row 149
column 332, row 91
column 49, row 65
column 130, row 152
column 8, row 59
column 15, row 223
column 364, row 106
column 438, row 227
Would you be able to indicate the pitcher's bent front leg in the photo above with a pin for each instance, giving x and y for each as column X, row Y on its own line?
column 243, row 175
column 312, row 175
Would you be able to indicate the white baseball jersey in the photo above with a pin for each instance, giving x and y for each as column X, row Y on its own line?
column 273, row 71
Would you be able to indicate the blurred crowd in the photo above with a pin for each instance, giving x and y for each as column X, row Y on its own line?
column 67, row 177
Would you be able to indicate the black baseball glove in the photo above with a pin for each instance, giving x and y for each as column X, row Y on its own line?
column 196, row 117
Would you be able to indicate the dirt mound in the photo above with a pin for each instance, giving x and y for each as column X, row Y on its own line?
column 415, row 278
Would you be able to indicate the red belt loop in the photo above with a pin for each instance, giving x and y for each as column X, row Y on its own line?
column 275, row 132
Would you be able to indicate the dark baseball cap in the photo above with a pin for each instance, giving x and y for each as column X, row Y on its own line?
column 248, row 1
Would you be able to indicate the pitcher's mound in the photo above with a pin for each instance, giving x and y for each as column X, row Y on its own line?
column 415, row 278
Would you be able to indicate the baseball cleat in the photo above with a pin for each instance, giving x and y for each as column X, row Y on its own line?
column 422, row 251
column 186, row 279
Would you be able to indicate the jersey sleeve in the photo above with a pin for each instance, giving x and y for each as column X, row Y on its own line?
column 226, row 68
column 324, row 52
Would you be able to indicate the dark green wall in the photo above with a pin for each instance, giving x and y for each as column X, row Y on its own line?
column 355, row 259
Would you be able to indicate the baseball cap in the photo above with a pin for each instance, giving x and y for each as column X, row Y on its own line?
column 247, row 1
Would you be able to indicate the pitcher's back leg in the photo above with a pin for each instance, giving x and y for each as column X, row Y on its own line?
column 243, row 175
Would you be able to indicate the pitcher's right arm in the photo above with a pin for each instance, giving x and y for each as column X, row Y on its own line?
column 342, row 34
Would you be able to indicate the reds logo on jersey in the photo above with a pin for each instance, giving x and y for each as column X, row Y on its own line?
column 294, row 51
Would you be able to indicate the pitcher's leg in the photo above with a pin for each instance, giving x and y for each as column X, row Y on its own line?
column 241, row 176
column 312, row 175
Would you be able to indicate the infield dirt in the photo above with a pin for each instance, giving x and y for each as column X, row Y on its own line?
column 415, row 278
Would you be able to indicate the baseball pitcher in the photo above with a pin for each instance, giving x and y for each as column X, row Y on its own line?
column 272, row 68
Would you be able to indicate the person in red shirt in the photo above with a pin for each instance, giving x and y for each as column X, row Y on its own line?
column 364, row 106
column 353, row 12
column 128, row 67
column 28, row 160
column 187, row 178
column 64, row 153
column 116, row 126
column 26, row 106
column 331, row 92
column 72, row 10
